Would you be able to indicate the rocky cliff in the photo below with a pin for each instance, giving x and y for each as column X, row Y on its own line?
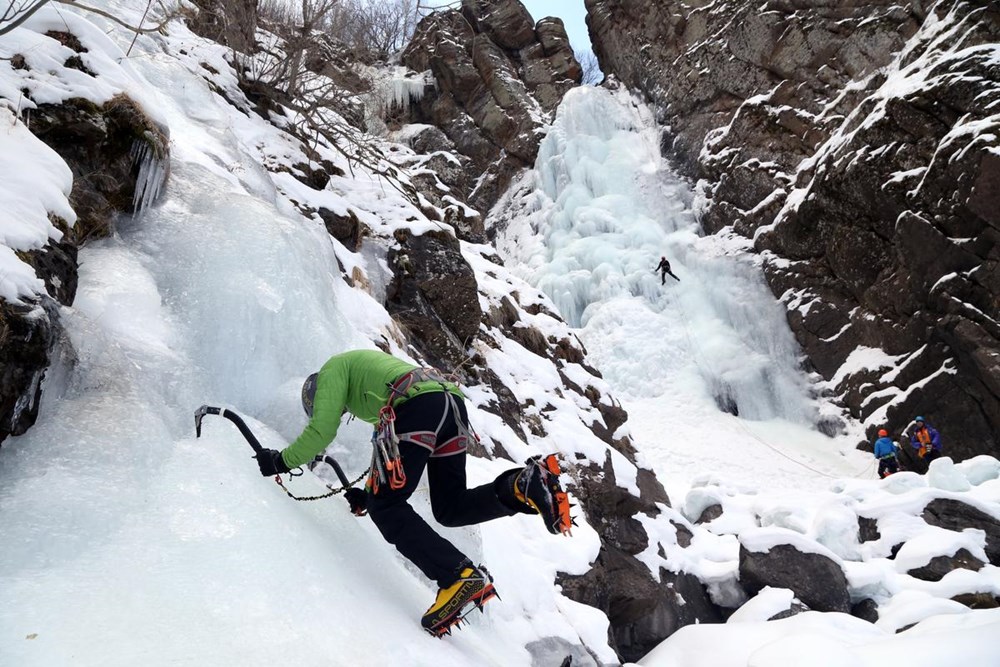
column 855, row 144
column 499, row 76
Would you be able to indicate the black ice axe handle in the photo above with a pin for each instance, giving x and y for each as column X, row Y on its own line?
column 332, row 462
column 200, row 413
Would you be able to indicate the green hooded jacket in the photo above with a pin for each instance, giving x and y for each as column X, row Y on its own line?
column 357, row 382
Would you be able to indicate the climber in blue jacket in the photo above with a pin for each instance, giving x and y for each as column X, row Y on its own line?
column 885, row 452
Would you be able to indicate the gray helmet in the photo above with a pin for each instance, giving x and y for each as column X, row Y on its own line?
column 309, row 394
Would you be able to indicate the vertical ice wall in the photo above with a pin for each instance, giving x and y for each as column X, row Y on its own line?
column 604, row 209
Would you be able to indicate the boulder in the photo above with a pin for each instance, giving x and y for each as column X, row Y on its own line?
column 956, row 515
column 816, row 580
column 866, row 610
column 643, row 612
column 938, row 566
column 868, row 529
column 978, row 600
column 710, row 514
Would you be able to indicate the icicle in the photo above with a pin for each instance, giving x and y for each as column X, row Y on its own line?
column 400, row 88
column 153, row 171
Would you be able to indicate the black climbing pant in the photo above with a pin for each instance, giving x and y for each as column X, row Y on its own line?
column 931, row 454
column 452, row 503
column 887, row 466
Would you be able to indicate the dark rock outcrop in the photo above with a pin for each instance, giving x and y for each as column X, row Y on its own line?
column 816, row 580
column 104, row 146
column 956, row 515
column 498, row 78
column 643, row 612
column 938, row 566
column 858, row 171
column 345, row 228
column 434, row 295
column 28, row 333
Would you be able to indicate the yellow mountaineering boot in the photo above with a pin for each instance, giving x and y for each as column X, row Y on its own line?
column 538, row 487
column 473, row 589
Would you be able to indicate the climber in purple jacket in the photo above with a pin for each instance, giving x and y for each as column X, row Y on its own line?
column 926, row 440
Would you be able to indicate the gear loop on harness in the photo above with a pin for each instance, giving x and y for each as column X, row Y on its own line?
column 387, row 464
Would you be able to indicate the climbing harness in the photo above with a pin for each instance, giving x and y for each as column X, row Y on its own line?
column 200, row 413
column 387, row 464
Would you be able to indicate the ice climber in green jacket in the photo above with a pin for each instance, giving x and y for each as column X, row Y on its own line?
column 431, row 429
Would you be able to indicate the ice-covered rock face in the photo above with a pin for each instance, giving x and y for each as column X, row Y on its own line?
column 106, row 155
column 854, row 143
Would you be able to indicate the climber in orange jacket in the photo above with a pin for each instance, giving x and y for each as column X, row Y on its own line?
column 926, row 440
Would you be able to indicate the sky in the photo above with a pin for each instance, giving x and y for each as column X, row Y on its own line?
column 573, row 14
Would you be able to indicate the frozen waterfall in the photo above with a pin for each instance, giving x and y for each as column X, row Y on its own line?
column 603, row 207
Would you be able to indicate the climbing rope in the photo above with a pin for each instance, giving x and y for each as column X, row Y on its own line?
column 866, row 469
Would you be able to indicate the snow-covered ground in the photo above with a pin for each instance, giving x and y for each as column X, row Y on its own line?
column 127, row 541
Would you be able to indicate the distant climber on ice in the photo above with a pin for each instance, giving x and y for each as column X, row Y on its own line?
column 885, row 452
column 926, row 440
column 421, row 421
column 664, row 268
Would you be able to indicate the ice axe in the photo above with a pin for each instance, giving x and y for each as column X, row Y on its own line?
column 200, row 413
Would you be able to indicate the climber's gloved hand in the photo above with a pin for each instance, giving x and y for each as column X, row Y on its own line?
column 358, row 500
column 270, row 463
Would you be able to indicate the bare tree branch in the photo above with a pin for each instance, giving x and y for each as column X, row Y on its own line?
column 592, row 74
column 19, row 12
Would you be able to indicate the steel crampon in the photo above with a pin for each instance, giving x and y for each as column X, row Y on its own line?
column 444, row 628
